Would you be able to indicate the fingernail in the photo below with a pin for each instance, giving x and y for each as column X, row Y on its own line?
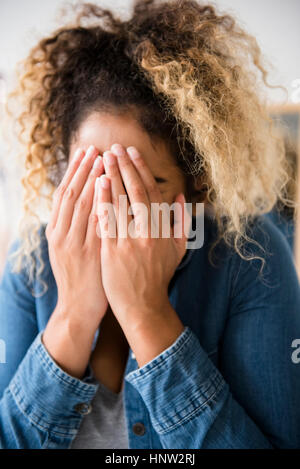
column 117, row 149
column 109, row 158
column 97, row 163
column 77, row 153
column 181, row 195
column 90, row 150
column 133, row 153
column 104, row 182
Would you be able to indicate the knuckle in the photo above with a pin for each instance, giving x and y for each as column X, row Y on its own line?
column 69, row 193
column 55, row 242
column 103, row 217
column 70, row 244
column 61, row 190
column 93, row 219
column 85, row 250
column 82, row 203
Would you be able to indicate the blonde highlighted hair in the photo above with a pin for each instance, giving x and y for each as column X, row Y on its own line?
column 194, row 77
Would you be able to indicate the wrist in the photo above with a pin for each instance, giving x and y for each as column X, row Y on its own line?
column 68, row 341
column 80, row 319
column 151, row 332
column 141, row 312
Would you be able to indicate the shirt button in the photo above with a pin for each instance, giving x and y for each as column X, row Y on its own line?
column 83, row 408
column 139, row 429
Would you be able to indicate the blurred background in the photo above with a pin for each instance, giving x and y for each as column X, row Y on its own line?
column 274, row 23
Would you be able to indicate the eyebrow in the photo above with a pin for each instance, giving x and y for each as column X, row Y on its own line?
column 160, row 180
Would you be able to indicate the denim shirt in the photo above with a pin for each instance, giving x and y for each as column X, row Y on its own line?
column 228, row 380
column 285, row 224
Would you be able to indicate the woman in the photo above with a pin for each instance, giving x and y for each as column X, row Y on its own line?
column 137, row 342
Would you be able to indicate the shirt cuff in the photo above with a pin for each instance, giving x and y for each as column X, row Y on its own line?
column 48, row 396
column 177, row 384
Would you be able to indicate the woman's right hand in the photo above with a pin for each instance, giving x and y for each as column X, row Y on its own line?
column 74, row 252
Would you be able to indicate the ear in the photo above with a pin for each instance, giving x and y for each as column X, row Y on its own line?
column 198, row 188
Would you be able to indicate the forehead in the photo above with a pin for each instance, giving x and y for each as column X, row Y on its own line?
column 104, row 129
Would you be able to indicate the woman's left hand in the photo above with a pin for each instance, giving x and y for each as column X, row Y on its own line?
column 137, row 267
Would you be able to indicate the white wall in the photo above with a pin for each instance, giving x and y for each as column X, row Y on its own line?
column 24, row 22
column 275, row 23
column 276, row 26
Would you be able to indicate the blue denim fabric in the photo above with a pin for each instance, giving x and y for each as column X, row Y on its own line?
column 228, row 381
column 285, row 224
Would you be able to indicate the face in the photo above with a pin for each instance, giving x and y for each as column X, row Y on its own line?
column 103, row 130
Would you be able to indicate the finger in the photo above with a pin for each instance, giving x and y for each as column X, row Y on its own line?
column 154, row 194
column 105, row 211
column 58, row 194
column 118, row 193
column 73, row 191
column 151, row 186
column 133, row 184
column 93, row 233
column 83, row 206
column 139, row 201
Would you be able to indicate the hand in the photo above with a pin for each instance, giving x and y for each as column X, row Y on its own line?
column 74, row 251
column 74, row 246
column 137, row 270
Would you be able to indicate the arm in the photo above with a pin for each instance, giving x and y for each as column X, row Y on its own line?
column 40, row 402
column 190, row 402
column 18, row 326
column 251, row 402
column 44, row 398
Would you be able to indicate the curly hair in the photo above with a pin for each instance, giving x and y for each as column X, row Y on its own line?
column 194, row 78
